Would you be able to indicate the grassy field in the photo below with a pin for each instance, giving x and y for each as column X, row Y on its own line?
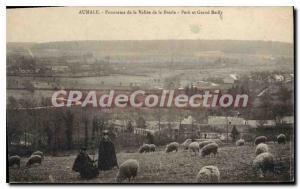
column 233, row 162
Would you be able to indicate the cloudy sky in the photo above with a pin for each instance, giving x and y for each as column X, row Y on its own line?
column 65, row 23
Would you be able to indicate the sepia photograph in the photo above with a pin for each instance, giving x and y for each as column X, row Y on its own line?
column 151, row 95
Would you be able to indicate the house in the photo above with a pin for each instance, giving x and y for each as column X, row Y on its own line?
column 223, row 123
column 257, row 123
column 154, row 125
column 278, row 77
column 121, row 126
column 222, row 120
column 60, row 68
column 230, row 79
column 287, row 120
column 210, row 135
column 188, row 127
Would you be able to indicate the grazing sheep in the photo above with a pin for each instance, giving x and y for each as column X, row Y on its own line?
column 14, row 160
column 281, row 139
column 194, row 147
column 208, row 174
column 34, row 159
column 209, row 149
column 260, row 139
column 264, row 162
column 152, row 147
column 261, row 148
column 173, row 146
column 145, row 148
column 128, row 170
column 202, row 144
column 186, row 143
column 240, row 142
column 38, row 153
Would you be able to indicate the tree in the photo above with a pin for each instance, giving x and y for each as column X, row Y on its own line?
column 141, row 123
column 68, row 118
column 86, row 134
column 49, row 135
column 129, row 127
column 234, row 134
column 29, row 86
column 150, row 138
column 98, row 126
column 12, row 124
column 279, row 111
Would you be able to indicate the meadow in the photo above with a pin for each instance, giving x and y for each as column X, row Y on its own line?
column 234, row 164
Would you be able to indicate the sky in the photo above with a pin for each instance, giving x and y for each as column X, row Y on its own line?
column 66, row 24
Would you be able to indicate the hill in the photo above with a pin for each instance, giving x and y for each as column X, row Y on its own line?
column 166, row 46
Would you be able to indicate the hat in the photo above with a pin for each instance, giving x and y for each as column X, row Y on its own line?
column 105, row 132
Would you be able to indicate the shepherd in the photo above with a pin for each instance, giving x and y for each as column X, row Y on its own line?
column 85, row 165
column 107, row 158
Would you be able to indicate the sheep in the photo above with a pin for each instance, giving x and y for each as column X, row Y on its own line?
column 145, row 148
column 202, row 144
column 281, row 139
column 240, row 142
column 14, row 160
column 152, row 147
column 173, row 146
column 260, row 139
column 264, row 162
column 34, row 159
column 38, row 153
column 261, row 148
column 186, row 143
column 208, row 174
column 128, row 170
column 194, row 147
column 208, row 149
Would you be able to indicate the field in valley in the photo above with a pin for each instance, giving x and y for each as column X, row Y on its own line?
column 233, row 162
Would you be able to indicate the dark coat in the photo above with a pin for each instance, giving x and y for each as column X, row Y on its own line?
column 106, row 155
column 85, row 166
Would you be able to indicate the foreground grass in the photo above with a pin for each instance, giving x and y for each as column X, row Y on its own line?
column 233, row 162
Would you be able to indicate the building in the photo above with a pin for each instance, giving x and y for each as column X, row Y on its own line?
column 60, row 68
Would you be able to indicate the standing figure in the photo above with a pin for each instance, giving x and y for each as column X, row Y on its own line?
column 107, row 158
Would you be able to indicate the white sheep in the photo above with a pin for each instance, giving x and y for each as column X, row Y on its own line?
column 281, row 139
column 263, row 163
column 128, row 170
column 34, row 159
column 38, row 153
column 194, row 147
column 240, row 142
column 202, row 144
column 186, row 143
column 14, row 160
column 261, row 148
column 260, row 139
column 208, row 174
column 211, row 148
column 152, row 147
column 173, row 146
column 145, row 148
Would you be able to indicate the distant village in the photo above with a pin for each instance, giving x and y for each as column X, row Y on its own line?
column 32, row 80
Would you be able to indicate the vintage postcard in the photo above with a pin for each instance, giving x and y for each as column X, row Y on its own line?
column 150, row 95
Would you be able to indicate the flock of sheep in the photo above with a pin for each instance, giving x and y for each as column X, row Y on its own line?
column 36, row 157
column 263, row 162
